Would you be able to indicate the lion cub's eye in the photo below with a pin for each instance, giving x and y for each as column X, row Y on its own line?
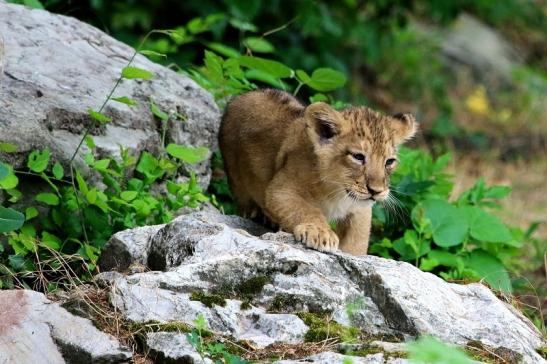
column 390, row 162
column 360, row 157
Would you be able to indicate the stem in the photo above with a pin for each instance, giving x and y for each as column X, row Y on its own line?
column 87, row 130
column 297, row 88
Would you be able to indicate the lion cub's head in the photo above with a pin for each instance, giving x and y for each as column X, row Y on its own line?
column 356, row 148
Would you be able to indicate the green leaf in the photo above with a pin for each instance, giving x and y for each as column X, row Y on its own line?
column 262, row 76
column 223, row 49
column 9, row 182
column 429, row 350
column 30, row 213
column 38, row 160
column 302, row 76
column 150, row 53
column 189, row 155
column 274, row 68
column 257, row 44
column 48, row 198
column 497, row 192
column 158, row 112
column 4, row 171
column 486, row 227
column 10, row 219
column 448, row 223
column 128, row 195
column 35, row 4
column 125, row 100
column 97, row 116
column 491, row 269
column 89, row 142
column 445, row 258
column 51, row 241
column 243, row 25
column 58, row 171
column 326, row 79
column 131, row 72
column 8, row 147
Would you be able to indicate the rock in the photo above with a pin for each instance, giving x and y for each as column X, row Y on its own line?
column 330, row 358
column 172, row 347
column 35, row 330
column 474, row 44
column 128, row 247
column 208, row 252
column 56, row 68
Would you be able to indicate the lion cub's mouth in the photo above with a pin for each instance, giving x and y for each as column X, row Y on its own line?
column 355, row 196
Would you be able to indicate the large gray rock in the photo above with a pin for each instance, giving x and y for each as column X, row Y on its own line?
column 202, row 253
column 35, row 330
column 56, row 68
column 474, row 44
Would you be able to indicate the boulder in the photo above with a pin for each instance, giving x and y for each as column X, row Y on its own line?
column 469, row 42
column 245, row 285
column 56, row 68
column 172, row 347
column 34, row 329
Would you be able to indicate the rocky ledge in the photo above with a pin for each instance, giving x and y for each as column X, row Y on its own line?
column 264, row 289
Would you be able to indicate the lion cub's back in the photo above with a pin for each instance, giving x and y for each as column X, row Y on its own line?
column 253, row 128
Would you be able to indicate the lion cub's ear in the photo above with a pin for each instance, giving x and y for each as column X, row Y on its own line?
column 403, row 126
column 323, row 120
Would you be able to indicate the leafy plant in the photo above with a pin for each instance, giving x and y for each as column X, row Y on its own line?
column 458, row 239
column 75, row 218
column 428, row 350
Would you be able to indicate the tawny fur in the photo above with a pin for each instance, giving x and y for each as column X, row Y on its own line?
column 301, row 166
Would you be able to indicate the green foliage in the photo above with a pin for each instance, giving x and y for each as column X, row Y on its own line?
column 456, row 240
column 216, row 351
column 428, row 350
column 321, row 328
column 75, row 218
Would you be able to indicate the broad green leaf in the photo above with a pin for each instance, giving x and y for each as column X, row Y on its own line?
column 497, row 192
column 131, row 72
column 91, row 196
column 8, row 147
column 58, row 171
column 97, row 116
column 429, row 350
column 9, row 182
column 35, row 4
column 51, row 241
column 30, row 213
column 89, row 142
column 265, row 77
column 410, row 246
column 10, row 219
column 38, row 160
column 15, row 195
column 486, row 227
column 125, row 100
column 48, row 198
column 326, row 79
column 128, row 195
column 302, row 76
column 189, row 155
column 448, row 223
column 257, row 44
column 150, row 53
column 445, row 258
column 491, row 269
column 243, row 25
column 158, row 112
column 274, row 68
column 101, row 165
column 82, row 185
column 223, row 49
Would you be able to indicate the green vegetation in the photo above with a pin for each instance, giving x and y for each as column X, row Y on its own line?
column 321, row 328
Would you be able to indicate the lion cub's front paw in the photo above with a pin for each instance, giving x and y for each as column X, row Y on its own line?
column 316, row 237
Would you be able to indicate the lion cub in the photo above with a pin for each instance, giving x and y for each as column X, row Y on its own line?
column 305, row 165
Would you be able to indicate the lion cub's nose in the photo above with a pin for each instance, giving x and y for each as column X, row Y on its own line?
column 375, row 190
